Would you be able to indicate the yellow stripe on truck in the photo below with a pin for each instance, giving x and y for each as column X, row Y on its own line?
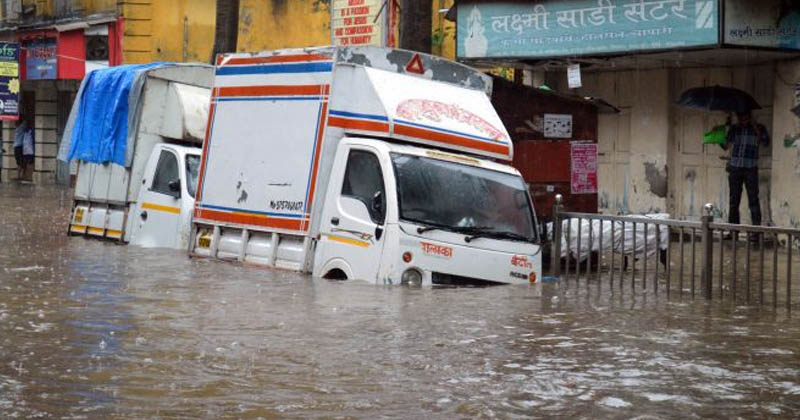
column 78, row 228
column 116, row 234
column 96, row 231
column 159, row 207
column 348, row 241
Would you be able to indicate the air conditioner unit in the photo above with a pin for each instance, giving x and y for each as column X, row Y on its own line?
column 97, row 48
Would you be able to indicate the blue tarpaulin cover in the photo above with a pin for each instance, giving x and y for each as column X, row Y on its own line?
column 100, row 132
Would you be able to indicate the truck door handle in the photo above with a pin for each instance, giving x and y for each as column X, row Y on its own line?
column 335, row 221
column 144, row 215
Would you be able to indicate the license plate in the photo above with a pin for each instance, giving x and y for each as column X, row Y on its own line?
column 204, row 241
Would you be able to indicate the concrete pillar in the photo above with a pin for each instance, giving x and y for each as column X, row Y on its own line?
column 786, row 147
column 9, row 165
column 45, row 135
column 650, row 138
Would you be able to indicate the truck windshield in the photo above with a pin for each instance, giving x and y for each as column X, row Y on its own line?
column 192, row 166
column 462, row 198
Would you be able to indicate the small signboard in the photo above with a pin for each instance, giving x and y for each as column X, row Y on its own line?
column 41, row 60
column 9, row 81
column 558, row 126
column 584, row 168
column 574, row 76
column 357, row 22
column 763, row 23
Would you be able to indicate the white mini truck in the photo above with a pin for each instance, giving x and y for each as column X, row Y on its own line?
column 362, row 163
column 150, row 203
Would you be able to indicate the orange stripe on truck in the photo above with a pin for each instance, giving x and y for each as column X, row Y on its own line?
column 359, row 124
column 450, row 139
column 273, row 90
column 251, row 220
column 159, row 207
column 299, row 58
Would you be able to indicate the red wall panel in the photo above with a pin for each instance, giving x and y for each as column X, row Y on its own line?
column 71, row 55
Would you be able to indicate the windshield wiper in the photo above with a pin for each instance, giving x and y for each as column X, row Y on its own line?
column 428, row 226
column 497, row 235
column 427, row 229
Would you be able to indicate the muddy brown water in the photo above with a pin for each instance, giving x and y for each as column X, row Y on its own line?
column 94, row 330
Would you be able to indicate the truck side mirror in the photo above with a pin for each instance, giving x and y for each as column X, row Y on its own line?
column 175, row 188
column 377, row 205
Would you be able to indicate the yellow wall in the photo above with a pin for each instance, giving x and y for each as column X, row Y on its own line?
column 46, row 8
column 95, row 6
column 444, row 31
column 274, row 24
column 168, row 30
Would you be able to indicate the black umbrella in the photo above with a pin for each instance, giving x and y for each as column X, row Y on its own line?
column 718, row 98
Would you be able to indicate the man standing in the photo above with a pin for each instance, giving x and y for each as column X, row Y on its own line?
column 28, row 155
column 19, row 135
column 744, row 138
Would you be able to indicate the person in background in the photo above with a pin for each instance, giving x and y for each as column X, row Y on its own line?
column 28, row 155
column 744, row 140
column 19, row 135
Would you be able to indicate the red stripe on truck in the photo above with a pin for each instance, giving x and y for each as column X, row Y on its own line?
column 421, row 133
column 251, row 220
column 273, row 90
column 275, row 59
column 318, row 148
column 202, row 175
column 359, row 124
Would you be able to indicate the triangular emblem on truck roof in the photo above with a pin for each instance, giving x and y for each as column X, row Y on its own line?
column 415, row 65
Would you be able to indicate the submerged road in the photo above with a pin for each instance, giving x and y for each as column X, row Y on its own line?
column 90, row 329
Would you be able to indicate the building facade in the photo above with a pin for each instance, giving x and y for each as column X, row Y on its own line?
column 640, row 57
column 61, row 40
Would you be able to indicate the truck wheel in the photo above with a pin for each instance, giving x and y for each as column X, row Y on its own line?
column 335, row 274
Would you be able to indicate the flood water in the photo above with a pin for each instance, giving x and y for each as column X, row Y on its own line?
column 94, row 330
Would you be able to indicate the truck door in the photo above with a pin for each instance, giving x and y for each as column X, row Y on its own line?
column 158, row 210
column 354, row 216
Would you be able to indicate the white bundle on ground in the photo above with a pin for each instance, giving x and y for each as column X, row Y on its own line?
column 622, row 236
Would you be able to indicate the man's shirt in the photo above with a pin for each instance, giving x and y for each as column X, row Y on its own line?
column 745, row 139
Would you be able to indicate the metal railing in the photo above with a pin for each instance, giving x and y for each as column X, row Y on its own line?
column 661, row 255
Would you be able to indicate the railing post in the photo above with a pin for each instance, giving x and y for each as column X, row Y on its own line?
column 555, row 255
column 708, row 252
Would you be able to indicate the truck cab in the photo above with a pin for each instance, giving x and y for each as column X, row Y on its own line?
column 163, row 213
column 399, row 214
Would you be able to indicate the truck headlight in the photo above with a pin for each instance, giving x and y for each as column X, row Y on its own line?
column 411, row 277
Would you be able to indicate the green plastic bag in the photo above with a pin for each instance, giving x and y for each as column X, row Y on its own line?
column 717, row 135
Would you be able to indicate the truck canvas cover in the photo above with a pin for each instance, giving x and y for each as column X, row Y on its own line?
column 276, row 119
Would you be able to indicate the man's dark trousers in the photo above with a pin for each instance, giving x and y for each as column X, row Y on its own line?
column 747, row 177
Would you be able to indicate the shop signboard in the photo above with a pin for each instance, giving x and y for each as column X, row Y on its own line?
column 584, row 168
column 357, row 22
column 9, row 81
column 41, row 59
column 514, row 29
column 764, row 23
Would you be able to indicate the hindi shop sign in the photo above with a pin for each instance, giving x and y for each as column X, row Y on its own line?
column 765, row 23
column 584, row 168
column 41, row 59
column 583, row 27
column 357, row 22
column 9, row 81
